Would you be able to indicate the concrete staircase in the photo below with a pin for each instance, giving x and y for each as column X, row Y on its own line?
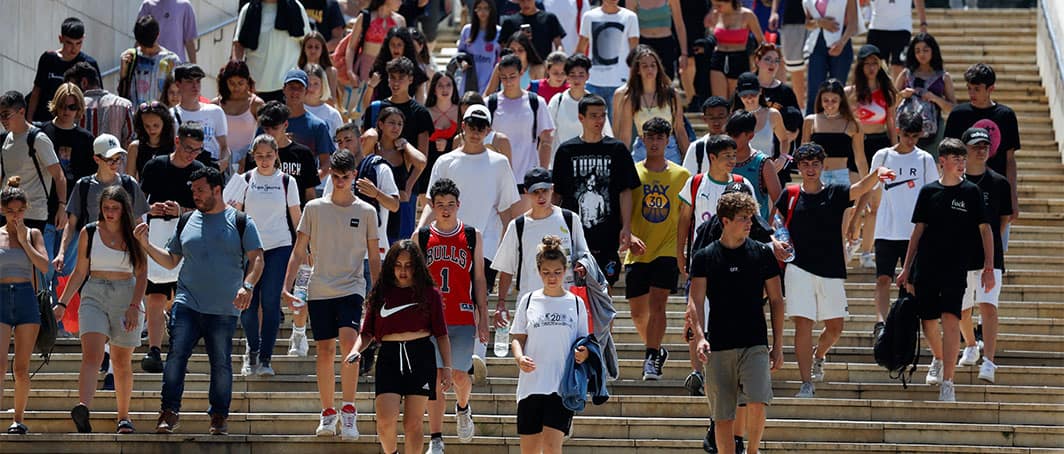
column 857, row 410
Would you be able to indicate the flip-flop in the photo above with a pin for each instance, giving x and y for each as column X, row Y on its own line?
column 125, row 426
column 80, row 415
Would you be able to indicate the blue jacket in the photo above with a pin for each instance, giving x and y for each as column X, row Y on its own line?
column 580, row 377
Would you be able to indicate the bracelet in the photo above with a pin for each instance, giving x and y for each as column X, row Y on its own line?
column 59, row 304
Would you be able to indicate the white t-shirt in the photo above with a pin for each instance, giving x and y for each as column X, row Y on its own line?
column 215, row 125
column 690, row 159
column 386, row 184
column 277, row 52
column 487, row 186
column 329, row 115
column 513, row 117
column 565, row 11
column 265, row 201
column 709, row 192
column 535, row 229
column 892, row 15
column 914, row 169
column 565, row 113
column 608, row 36
column 552, row 324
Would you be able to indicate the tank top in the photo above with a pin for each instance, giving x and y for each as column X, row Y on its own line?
column 145, row 152
column 242, row 129
column 762, row 140
column 15, row 263
column 104, row 258
column 836, row 145
column 377, row 31
column 874, row 113
column 751, row 170
column 659, row 17
column 644, row 114
column 731, row 36
column 400, row 173
column 450, row 263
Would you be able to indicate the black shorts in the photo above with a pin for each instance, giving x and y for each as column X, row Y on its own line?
column 667, row 49
column 732, row 64
column 166, row 289
column 406, row 368
column 661, row 272
column 327, row 316
column 874, row 143
column 538, row 411
column 888, row 254
column 935, row 300
column 610, row 264
column 891, row 43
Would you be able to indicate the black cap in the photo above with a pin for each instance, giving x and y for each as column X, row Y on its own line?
column 538, row 178
column 867, row 50
column 736, row 186
column 747, row 84
column 976, row 135
column 188, row 71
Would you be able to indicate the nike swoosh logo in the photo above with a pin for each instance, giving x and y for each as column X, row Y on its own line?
column 889, row 186
column 386, row 312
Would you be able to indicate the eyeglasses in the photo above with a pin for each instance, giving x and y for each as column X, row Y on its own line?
column 191, row 150
column 144, row 107
column 73, row 107
column 112, row 161
column 771, row 61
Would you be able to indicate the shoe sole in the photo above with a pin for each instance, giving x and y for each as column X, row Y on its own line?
column 325, row 433
column 216, row 431
column 987, row 379
column 480, row 371
column 80, row 415
column 349, row 437
column 165, row 430
column 651, row 377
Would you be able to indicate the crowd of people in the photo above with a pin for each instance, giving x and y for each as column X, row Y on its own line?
column 551, row 149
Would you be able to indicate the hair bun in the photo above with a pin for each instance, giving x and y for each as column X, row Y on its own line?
column 14, row 181
column 551, row 242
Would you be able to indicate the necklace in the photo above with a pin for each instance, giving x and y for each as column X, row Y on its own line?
column 832, row 117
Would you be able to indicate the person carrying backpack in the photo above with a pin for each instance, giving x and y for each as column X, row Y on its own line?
column 926, row 89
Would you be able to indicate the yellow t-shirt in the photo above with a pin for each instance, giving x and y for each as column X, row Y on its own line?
column 656, row 210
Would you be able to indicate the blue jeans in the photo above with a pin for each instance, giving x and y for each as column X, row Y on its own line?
column 823, row 66
column 186, row 328
column 606, row 93
column 267, row 294
column 672, row 151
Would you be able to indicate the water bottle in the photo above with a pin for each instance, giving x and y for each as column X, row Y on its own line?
column 784, row 236
column 299, row 290
column 502, row 340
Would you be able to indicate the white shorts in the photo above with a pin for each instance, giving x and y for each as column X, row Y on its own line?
column 975, row 293
column 813, row 297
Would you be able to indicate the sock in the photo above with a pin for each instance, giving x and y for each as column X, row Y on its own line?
column 461, row 408
column 299, row 329
column 349, row 404
column 651, row 352
column 436, row 435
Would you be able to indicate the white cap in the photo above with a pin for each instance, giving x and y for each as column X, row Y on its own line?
column 106, row 146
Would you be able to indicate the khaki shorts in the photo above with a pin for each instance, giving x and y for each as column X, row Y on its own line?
column 103, row 310
column 737, row 372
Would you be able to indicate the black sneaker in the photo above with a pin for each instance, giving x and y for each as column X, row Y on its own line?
column 740, row 447
column 659, row 364
column 709, row 443
column 695, row 384
column 153, row 361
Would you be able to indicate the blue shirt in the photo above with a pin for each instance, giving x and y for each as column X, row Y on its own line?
column 213, row 268
column 312, row 132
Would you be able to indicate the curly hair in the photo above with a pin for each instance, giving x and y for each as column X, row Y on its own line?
column 422, row 281
column 734, row 204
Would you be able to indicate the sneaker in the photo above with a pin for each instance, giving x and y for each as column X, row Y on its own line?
column 934, row 373
column 867, row 260
column 327, row 426
column 80, row 415
column 970, row 356
column 851, row 249
column 153, row 361
column 986, row 371
column 348, row 429
column 108, row 382
column 251, row 364
column 945, row 393
column 740, row 446
column 650, row 370
column 877, row 330
column 168, row 421
column 218, row 425
column 125, row 426
column 465, row 425
column 709, row 442
column 299, row 345
column 807, row 391
column 435, row 446
column 659, row 365
column 480, row 370
column 17, row 428
column 265, row 370
column 818, row 370
column 695, row 384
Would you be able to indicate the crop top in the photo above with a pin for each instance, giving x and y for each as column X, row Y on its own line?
column 836, row 145
column 874, row 113
column 660, row 17
column 104, row 258
column 14, row 263
column 644, row 114
column 378, row 29
column 400, row 314
column 445, row 134
column 731, row 36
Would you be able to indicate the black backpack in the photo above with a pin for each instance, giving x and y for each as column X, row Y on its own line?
column 898, row 346
column 31, row 139
column 367, row 168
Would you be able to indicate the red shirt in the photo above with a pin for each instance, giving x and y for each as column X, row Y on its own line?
column 450, row 262
column 401, row 312
column 546, row 91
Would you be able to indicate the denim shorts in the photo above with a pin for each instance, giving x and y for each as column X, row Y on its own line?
column 103, row 310
column 18, row 304
column 837, row 176
column 462, row 338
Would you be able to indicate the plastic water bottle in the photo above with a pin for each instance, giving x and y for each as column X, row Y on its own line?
column 784, row 236
column 502, row 340
column 299, row 290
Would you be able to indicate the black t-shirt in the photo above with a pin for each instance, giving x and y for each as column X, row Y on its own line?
column 508, row 7
column 417, row 121
column 792, row 13
column 545, row 27
column 383, row 91
column 299, row 162
column 161, row 181
column 73, row 147
column 589, row 177
column 324, row 15
column 951, row 215
column 997, row 196
column 735, row 282
column 999, row 120
column 711, row 230
column 780, row 97
column 50, row 69
column 816, row 229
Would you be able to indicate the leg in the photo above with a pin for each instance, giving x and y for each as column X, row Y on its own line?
column 551, row 441
column 687, row 79
column 718, row 84
column 249, row 320
column 739, row 424
column 326, row 375
column 817, row 72
column 968, row 328
column 732, row 83
column 882, row 296
column 463, row 388
column 640, row 315
column 532, row 444
column 951, row 337
column 157, row 303
column 989, row 314
column 25, row 338
column 218, row 340
column 828, row 337
column 725, row 439
column 803, row 348
column 387, row 407
column 655, row 328
column 348, row 375
column 185, row 332
column 934, row 338
column 798, row 80
column 91, row 354
column 413, row 434
column 839, row 67
column 438, row 407
column 755, row 423
column 121, row 359
column 5, row 344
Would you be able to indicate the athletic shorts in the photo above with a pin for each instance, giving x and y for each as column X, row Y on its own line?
column 792, row 38
column 734, row 374
column 975, row 294
column 406, row 368
column 610, row 264
column 935, row 300
column 813, row 297
column 103, row 310
column 327, row 316
column 462, row 338
column 891, row 43
column 874, row 143
column 661, row 272
column 888, row 254
column 166, row 289
column 732, row 64
column 538, row 411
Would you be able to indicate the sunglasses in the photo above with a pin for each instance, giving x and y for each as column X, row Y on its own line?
column 73, row 107
column 114, row 160
column 144, row 107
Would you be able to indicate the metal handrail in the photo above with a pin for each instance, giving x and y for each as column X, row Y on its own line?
column 1053, row 39
column 215, row 28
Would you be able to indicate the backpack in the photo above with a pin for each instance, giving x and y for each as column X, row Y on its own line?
column 898, row 346
column 533, row 102
column 915, row 105
column 31, row 139
column 83, row 194
column 340, row 52
column 519, row 225
column 241, row 225
column 284, row 183
column 471, row 241
column 696, row 182
column 367, row 168
column 463, row 78
column 371, row 116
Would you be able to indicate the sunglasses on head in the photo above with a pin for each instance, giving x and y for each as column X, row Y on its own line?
column 144, row 106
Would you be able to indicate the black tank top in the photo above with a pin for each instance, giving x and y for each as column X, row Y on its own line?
column 836, row 145
column 145, row 152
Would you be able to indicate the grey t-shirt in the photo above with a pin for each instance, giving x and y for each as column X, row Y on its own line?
column 17, row 161
column 91, row 212
column 338, row 240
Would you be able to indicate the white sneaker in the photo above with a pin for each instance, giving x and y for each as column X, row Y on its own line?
column 986, row 371
column 327, row 426
column 807, row 391
column 299, row 346
column 868, row 260
column 970, row 356
column 934, row 373
column 946, row 394
column 818, row 370
column 435, row 446
column 465, row 425
column 480, row 370
column 348, row 428
column 251, row 364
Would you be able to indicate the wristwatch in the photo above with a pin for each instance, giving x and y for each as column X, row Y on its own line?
column 249, row 287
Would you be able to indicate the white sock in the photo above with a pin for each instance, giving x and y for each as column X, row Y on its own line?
column 299, row 329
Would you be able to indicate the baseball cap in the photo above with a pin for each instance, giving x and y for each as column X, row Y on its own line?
column 975, row 135
column 868, row 50
column 106, row 146
column 188, row 71
column 296, row 75
column 477, row 111
column 538, row 178
column 747, row 84
column 736, row 186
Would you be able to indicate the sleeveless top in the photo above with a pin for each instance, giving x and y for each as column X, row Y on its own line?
column 15, row 263
column 450, row 263
column 763, row 138
column 874, row 113
column 400, row 173
column 659, row 17
column 644, row 114
column 145, row 152
column 104, row 258
column 836, row 145
column 751, row 170
column 731, row 36
column 242, row 129
column 377, row 31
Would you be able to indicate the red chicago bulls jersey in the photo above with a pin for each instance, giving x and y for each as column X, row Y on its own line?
column 449, row 257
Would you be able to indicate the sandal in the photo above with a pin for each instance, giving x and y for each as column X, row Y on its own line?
column 125, row 426
column 17, row 428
